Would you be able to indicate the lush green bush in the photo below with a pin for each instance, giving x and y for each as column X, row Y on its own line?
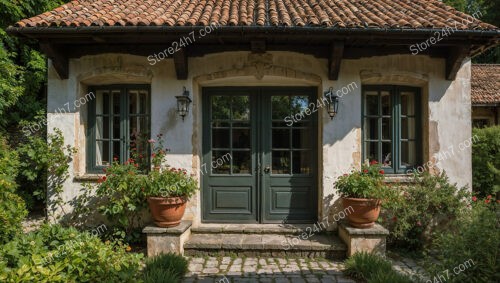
column 12, row 207
column 470, row 247
column 373, row 268
column 167, row 268
column 56, row 254
column 486, row 161
column 44, row 169
column 420, row 209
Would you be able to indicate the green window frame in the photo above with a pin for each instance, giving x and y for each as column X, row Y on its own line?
column 391, row 127
column 119, row 123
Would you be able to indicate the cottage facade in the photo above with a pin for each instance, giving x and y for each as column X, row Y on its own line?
column 258, row 136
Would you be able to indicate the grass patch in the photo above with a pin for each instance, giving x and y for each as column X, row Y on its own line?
column 373, row 269
column 166, row 268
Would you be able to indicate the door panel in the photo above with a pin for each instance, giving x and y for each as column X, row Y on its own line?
column 272, row 174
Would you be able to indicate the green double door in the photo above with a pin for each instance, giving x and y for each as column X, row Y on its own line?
column 259, row 155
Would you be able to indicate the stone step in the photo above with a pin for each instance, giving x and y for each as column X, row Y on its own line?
column 270, row 245
column 282, row 229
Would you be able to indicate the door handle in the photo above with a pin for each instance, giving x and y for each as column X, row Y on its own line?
column 267, row 169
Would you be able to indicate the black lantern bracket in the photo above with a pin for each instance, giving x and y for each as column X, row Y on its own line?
column 183, row 102
column 333, row 103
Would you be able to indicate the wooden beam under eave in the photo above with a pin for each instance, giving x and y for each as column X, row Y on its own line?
column 181, row 64
column 59, row 59
column 454, row 60
column 335, row 59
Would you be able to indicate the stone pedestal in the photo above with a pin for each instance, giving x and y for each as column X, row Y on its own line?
column 368, row 240
column 167, row 240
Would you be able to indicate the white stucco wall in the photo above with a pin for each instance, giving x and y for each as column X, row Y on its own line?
column 446, row 106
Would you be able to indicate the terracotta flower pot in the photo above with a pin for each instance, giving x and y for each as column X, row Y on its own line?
column 364, row 211
column 167, row 212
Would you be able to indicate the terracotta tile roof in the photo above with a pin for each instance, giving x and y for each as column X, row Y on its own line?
column 417, row 14
column 485, row 83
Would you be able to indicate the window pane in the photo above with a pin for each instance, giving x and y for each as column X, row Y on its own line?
column 281, row 138
column 223, row 168
column 138, row 102
column 221, row 107
column 220, row 138
column 281, row 162
column 102, row 102
column 386, row 129
column 371, row 103
column 280, row 107
column 116, row 127
column 371, row 151
column 116, row 150
column 371, row 128
column 407, row 128
column 299, row 104
column 301, row 138
column 302, row 162
column 116, row 102
column 241, row 108
column 242, row 162
column 386, row 103
column 241, row 138
column 408, row 153
column 386, row 154
column 407, row 103
column 102, row 153
column 102, row 128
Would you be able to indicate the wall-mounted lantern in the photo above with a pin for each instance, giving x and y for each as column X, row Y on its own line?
column 333, row 103
column 183, row 102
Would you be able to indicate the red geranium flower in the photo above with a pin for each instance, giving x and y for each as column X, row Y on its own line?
column 474, row 198
column 365, row 171
column 102, row 179
column 486, row 201
column 153, row 155
column 381, row 171
column 373, row 162
column 488, row 197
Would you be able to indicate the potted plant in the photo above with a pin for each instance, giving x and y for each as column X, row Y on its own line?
column 363, row 191
column 167, row 190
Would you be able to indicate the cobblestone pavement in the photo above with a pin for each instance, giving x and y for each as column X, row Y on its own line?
column 279, row 270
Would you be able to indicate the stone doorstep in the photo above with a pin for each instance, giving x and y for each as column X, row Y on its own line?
column 265, row 244
column 363, row 240
column 217, row 228
column 167, row 240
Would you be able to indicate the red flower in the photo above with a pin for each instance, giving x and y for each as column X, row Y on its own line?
column 394, row 219
column 140, row 155
column 486, row 201
column 474, row 198
column 419, row 223
column 373, row 162
column 102, row 179
column 381, row 172
column 115, row 158
column 488, row 197
column 153, row 155
column 365, row 171
column 136, row 165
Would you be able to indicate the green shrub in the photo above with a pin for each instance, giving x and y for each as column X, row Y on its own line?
column 56, row 254
column 471, row 244
column 12, row 207
column 372, row 268
column 486, row 161
column 430, row 202
column 44, row 169
column 166, row 268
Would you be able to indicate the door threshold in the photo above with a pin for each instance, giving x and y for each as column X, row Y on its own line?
column 251, row 228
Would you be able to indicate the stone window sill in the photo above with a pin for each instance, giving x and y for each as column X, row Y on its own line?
column 88, row 177
column 399, row 178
